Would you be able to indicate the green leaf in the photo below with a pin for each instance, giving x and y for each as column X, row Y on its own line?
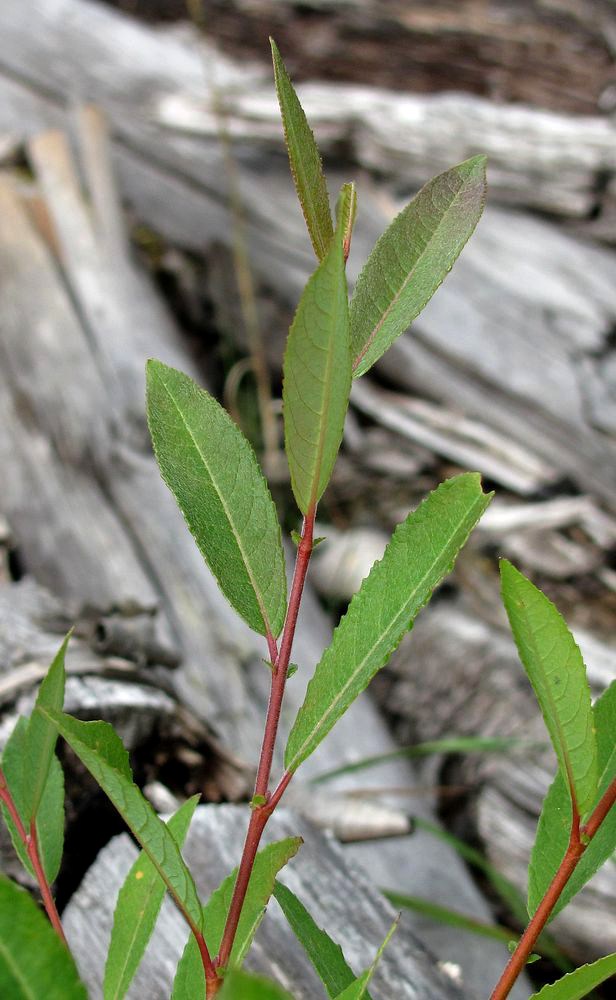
column 137, row 908
column 448, row 744
column 444, row 915
column 243, row 986
column 346, row 210
column 554, row 825
column 190, row 978
column 421, row 552
column 358, row 989
column 50, row 814
column 42, row 735
column 317, row 379
column 412, row 258
column 323, row 952
column 101, row 750
column 304, row 159
column 212, row 471
column 557, row 673
column 578, row 984
column 33, row 961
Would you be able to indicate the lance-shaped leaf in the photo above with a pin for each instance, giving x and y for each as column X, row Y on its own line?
column 346, row 210
column 358, row 989
column 412, row 258
column 102, row 752
column 50, row 811
column 580, row 982
column 244, row 986
column 554, row 825
column 190, row 978
column 326, row 956
column 212, row 471
column 33, row 961
column 317, row 379
column 557, row 673
column 421, row 552
column 42, row 734
column 137, row 909
column 304, row 159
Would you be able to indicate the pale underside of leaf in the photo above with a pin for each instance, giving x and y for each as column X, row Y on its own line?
column 421, row 552
column 557, row 673
column 554, row 825
column 412, row 258
column 304, row 159
column 317, row 380
column 212, row 471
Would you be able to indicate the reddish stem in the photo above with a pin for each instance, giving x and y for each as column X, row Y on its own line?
column 30, row 843
column 578, row 842
column 262, row 813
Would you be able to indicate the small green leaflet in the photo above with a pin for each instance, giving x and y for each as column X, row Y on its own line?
column 358, row 989
column 412, row 257
column 317, row 379
column 346, row 210
column 50, row 812
column 555, row 821
column 323, row 952
column 243, row 986
column 42, row 735
column 213, row 473
column 101, row 750
column 33, row 961
column 579, row 983
column 421, row 552
column 557, row 673
column 304, row 159
column 190, row 978
column 137, row 908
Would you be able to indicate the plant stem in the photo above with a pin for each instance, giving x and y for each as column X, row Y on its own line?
column 578, row 842
column 30, row 842
column 261, row 814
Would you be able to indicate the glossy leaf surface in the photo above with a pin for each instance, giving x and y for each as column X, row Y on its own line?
column 412, row 258
column 557, row 673
column 317, row 379
column 304, row 159
column 137, row 909
column 190, row 978
column 34, row 964
column 101, row 750
column 326, row 956
column 421, row 552
column 555, row 821
column 213, row 473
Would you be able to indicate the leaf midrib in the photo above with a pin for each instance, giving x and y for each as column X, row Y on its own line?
column 224, row 506
column 404, row 284
column 137, row 927
column 343, row 690
column 16, row 970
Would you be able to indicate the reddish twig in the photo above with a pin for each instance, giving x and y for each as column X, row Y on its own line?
column 579, row 840
column 30, row 842
column 261, row 813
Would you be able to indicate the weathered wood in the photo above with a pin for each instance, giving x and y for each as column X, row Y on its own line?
column 338, row 896
column 551, row 161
